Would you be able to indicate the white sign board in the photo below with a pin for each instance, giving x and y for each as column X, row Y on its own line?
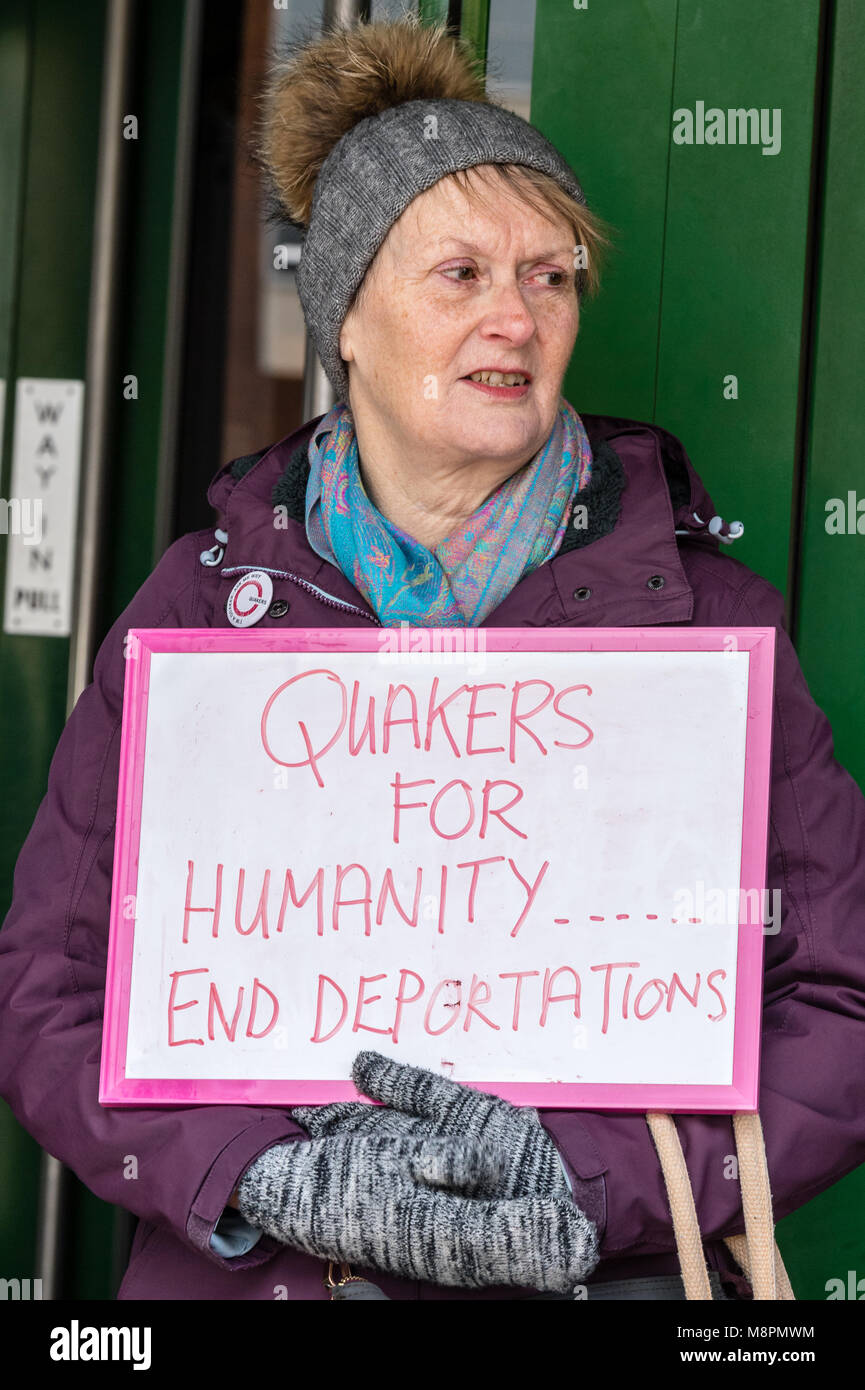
column 529, row 877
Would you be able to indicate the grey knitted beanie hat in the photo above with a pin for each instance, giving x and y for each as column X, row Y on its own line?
column 358, row 123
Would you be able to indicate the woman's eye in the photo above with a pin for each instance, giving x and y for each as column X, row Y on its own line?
column 464, row 274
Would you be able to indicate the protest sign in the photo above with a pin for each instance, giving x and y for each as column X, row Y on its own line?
column 531, row 859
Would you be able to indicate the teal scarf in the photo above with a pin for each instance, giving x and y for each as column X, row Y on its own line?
column 467, row 575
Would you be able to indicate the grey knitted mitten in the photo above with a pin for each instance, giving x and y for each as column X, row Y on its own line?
column 419, row 1103
column 418, row 1208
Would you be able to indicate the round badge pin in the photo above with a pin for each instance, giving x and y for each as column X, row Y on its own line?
column 250, row 598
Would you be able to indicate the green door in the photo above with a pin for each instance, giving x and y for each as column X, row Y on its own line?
column 51, row 72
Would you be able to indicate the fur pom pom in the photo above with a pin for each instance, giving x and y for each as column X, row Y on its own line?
column 318, row 89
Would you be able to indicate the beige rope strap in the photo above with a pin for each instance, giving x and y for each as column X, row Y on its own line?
column 692, row 1261
column 738, row 1247
column 756, row 1252
column 756, row 1205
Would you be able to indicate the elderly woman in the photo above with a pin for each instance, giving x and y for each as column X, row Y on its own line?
column 447, row 249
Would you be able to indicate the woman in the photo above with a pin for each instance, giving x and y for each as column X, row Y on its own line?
column 446, row 252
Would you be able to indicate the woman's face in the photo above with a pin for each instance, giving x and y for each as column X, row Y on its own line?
column 459, row 288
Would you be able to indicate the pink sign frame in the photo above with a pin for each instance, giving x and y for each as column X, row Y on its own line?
column 116, row 1089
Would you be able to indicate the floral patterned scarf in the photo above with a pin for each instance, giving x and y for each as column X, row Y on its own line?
column 467, row 575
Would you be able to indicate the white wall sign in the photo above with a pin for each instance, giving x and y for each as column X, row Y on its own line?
column 43, row 507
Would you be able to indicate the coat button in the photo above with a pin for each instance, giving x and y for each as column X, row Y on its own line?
column 582, row 592
column 657, row 581
column 278, row 608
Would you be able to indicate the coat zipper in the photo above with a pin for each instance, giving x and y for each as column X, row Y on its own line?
column 329, row 599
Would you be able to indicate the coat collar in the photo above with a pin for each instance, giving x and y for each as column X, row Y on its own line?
column 623, row 570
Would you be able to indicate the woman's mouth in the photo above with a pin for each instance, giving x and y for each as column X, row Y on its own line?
column 503, row 386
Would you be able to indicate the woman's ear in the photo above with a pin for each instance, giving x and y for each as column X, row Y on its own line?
column 346, row 351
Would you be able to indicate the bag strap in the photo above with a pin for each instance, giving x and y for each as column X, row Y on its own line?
column 738, row 1247
column 686, row 1228
column 756, row 1252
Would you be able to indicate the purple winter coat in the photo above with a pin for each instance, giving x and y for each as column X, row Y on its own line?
column 54, row 941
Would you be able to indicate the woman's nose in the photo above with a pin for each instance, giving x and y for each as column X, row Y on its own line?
column 506, row 314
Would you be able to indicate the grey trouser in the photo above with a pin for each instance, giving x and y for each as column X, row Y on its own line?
column 663, row 1286
column 666, row 1287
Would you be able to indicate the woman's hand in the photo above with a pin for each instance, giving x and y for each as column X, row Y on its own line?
column 419, row 1104
column 421, row 1208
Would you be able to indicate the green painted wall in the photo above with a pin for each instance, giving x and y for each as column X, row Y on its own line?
column 53, row 69
column 707, row 278
column 827, row 1237
column 831, row 628
column 19, row 1154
